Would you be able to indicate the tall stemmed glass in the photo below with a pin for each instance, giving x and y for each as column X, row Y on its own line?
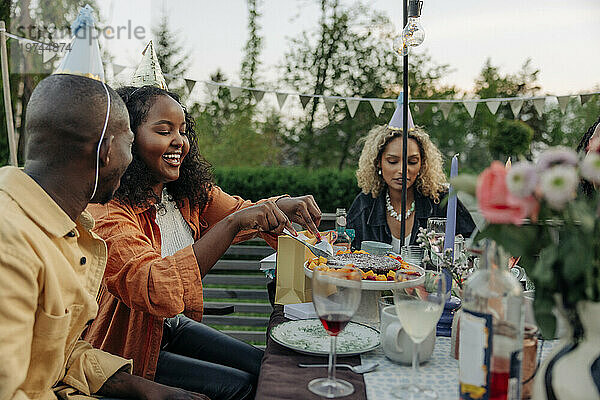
column 419, row 309
column 437, row 229
column 336, row 296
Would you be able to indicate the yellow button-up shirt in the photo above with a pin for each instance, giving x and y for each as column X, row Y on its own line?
column 50, row 273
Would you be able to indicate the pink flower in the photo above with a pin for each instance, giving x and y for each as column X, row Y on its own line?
column 497, row 204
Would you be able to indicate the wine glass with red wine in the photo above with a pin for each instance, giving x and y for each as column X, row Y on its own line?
column 336, row 296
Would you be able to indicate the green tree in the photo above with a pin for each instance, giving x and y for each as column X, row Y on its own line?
column 230, row 132
column 44, row 21
column 253, row 48
column 348, row 59
column 171, row 56
column 472, row 137
column 511, row 138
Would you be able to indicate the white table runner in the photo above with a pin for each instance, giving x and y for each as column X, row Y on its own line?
column 439, row 373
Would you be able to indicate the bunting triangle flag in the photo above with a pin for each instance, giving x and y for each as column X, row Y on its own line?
column 47, row 55
column 539, row 105
column 585, row 98
column 352, row 106
column 377, row 105
column 445, row 107
column 515, row 106
column 190, row 83
column 304, row 100
column 258, row 95
column 329, row 103
column 281, row 98
column 420, row 108
column 493, row 106
column 234, row 92
column 117, row 69
column 471, row 107
column 212, row 88
column 562, row 102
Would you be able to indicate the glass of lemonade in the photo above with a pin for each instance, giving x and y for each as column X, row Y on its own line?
column 419, row 309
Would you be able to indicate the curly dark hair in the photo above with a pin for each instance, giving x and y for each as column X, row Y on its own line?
column 587, row 187
column 195, row 175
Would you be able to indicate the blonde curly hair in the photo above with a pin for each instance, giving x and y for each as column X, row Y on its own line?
column 431, row 180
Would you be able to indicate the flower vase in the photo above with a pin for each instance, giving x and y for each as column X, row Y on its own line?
column 572, row 371
column 444, row 325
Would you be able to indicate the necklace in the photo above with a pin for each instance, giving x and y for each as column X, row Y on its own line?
column 393, row 212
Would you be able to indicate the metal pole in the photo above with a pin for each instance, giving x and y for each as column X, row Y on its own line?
column 404, row 131
column 10, row 127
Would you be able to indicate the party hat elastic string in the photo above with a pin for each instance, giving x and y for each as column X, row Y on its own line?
column 101, row 139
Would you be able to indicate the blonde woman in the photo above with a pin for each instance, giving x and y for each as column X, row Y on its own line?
column 375, row 213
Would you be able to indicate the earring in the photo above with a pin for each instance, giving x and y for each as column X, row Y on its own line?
column 379, row 172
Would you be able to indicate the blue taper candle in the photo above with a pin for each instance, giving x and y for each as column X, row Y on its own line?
column 451, row 210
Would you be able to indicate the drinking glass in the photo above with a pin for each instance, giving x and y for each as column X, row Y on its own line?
column 438, row 227
column 383, row 302
column 419, row 309
column 336, row 296
column 412, row 254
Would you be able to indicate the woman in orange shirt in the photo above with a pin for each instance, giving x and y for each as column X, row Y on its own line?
column 167, row 226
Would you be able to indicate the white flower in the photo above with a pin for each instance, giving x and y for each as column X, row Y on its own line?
column 558, row 185
column 522, row 179
column 556, row 156
column 590, row 167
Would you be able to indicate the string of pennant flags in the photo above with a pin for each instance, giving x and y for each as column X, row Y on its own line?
column 445, row 105
column 352, row 103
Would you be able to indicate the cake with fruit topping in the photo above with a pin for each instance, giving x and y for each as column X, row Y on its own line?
column 366, row 262
column 372, row 267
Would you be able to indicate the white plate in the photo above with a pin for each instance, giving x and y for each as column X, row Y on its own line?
column 309, row 337
column 382, row 285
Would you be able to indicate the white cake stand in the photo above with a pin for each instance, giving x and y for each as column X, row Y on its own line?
column 368, row 310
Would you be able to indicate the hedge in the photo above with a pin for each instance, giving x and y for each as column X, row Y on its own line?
column 331, row 188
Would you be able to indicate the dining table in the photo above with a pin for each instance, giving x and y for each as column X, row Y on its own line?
column 281, row 378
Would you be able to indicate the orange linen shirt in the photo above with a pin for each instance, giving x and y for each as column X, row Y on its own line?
column 140, row 287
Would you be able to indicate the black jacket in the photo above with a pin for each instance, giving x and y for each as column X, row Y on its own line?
column 367, row 216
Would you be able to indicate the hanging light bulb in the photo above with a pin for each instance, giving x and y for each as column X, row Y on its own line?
column 413, row 33
column 399, row 46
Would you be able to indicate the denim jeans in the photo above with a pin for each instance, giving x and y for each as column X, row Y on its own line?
column 201, row 359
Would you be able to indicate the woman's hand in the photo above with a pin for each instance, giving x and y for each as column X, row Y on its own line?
column 264, row 217
column 302, row 210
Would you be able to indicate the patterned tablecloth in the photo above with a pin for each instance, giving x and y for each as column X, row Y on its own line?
column 439, row 373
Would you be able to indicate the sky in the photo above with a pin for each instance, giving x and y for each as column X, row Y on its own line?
column 562, row 38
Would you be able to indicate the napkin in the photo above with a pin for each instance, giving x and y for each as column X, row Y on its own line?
column 299, row 311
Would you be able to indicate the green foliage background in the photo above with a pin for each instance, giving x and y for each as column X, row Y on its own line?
column 331, row 187
column 340, row 54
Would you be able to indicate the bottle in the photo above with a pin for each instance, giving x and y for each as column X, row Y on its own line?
column 342, row 243
column 491, row 331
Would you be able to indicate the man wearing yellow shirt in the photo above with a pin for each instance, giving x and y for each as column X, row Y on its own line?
column 51, row 264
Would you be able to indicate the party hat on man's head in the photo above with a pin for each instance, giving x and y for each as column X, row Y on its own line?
column 397, row 119
column 149, row 72
column 83, row 58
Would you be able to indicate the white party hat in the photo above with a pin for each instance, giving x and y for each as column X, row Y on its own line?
column 149, row 72
column 398, row 117
column 83, row 58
